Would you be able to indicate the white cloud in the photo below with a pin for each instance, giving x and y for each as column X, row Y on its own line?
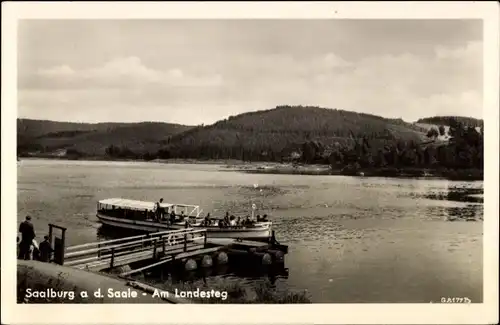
column 332, row 61
column 59, row 71
column 404, row 85
column 118, row 73
column 466, row 103
column 121, row 69
column 470, row 52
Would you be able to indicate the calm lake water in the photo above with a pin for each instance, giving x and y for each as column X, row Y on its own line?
column 351, row 239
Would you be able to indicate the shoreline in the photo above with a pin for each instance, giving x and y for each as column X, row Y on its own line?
column 427, row 173
column 230, row 162
column 276, row 168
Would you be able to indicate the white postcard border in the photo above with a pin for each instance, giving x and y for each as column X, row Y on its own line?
column 486, row 312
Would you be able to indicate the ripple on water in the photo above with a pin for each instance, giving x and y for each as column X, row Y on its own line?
column 367, row 235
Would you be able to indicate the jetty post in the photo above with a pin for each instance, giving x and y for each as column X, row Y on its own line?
column 185, row 237
column 154, row 249
column 59, row 243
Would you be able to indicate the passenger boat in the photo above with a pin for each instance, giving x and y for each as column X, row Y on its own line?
column 141, row 216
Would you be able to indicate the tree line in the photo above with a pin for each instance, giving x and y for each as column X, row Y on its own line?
column 446, row 120
column 310, row 135
column 464, row 149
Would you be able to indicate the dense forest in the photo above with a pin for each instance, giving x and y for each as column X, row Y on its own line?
column 274, row 135
column 91, row 140
column 464, row 150
column 446, row 120
column 346, row 141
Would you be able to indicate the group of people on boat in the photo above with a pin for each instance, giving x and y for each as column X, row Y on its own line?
column 232, row 221
column 162, row 214
column 129, row 214
column 28, row 249
column 158, row 214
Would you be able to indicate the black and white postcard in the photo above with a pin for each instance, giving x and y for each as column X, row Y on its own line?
column 284, row 163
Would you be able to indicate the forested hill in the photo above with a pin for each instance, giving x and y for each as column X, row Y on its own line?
column 87, row 139
column 37, row 128
column 262, row 135
column 273, row 133
column 448, row 120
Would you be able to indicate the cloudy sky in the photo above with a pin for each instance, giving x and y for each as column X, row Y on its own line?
column 199, row 71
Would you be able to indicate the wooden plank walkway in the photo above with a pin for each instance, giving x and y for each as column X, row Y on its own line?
column 135, row 257
column 157, row 248
column 98, row 256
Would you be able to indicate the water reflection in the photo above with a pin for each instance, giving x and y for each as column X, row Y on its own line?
column 105, row 232
column 458, row 194
column 472, row 211
column 237, row 279
column 350, row 239
column 248, row 272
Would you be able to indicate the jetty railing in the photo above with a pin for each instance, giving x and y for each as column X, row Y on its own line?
column 116, row 252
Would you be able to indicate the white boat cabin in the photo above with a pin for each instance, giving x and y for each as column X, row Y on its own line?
column 123, row 211
column 144, row 210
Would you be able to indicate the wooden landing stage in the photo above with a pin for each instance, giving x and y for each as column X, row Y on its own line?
column 189, row 246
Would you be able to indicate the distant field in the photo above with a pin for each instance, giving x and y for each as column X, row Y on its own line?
column 440, row 138
column 446, row 127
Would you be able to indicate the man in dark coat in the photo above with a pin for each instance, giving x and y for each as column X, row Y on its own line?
column 27, row 235
column 45, row 250
column 172, row 216
column 159, row 210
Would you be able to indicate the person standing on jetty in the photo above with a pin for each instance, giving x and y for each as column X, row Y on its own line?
column 172, row 216
column 45, row 249
column 207, row 220
column 27, row 235
column 159, row 210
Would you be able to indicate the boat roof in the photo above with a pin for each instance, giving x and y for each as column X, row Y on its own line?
column 141, row 205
